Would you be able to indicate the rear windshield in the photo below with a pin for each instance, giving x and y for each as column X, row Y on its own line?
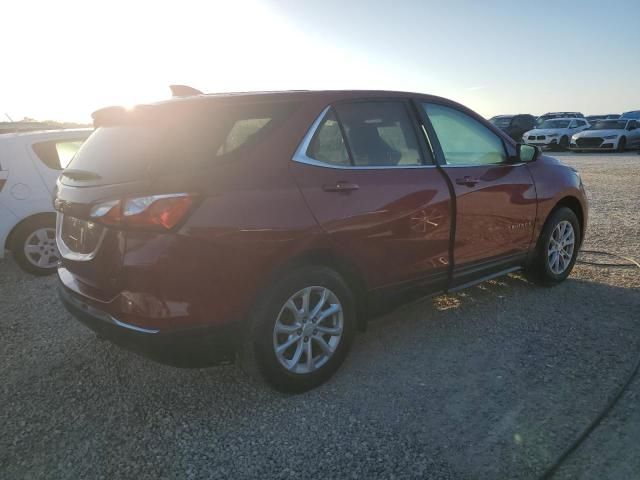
column 635, row 115
column 608, row 125
column 555, row 124
column 547, row 116
column 501, row 122
column 159, row 140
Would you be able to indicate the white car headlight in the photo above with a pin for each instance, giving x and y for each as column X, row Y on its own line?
column 610, row 137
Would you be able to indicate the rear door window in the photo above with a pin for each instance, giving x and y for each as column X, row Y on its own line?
column 379, row 133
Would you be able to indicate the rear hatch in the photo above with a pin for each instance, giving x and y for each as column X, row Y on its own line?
column 160, row 149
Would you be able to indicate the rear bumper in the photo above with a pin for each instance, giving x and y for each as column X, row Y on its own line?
column 189, row 348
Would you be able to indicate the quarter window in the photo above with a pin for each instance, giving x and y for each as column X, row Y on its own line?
column 240, row 133
column 464, row 140
column 379, row 134
column 57, row 154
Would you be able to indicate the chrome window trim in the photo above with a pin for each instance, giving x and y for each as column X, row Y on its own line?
column 300, row 156
column 69, row 254
column 505, row 164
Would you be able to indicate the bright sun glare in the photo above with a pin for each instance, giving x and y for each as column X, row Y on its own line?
column 129, row 52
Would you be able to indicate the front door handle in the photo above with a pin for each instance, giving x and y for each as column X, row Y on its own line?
column 341, row 187
column 468, row 181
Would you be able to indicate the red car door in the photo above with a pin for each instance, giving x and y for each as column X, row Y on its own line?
column 362, row 171
column 495, row 198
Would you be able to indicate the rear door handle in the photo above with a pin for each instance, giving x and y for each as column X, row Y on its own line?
column 341, row 187
column 468, row 181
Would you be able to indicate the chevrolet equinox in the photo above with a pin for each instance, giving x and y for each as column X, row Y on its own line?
column 266, row 227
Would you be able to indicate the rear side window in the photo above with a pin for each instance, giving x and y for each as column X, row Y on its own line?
column 379, row 134
column 241, row 132
column 464, row 140
column 57, row 154
column 165, row 139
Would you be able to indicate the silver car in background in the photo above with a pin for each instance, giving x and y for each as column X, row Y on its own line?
column 555, row 133
column 617, row 135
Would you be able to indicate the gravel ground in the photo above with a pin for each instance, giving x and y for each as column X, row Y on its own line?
column 493, row 382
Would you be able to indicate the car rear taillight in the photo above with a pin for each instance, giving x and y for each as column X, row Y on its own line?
column 152, row 211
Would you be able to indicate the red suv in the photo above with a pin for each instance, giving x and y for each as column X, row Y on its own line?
column 268, row 226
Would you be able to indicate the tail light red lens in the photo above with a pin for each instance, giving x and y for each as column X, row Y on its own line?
column 160, row 211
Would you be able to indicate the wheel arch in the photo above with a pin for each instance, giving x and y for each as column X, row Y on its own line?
column 11, row 238
column 573, row 204
column 622, row 139
column 327, row 258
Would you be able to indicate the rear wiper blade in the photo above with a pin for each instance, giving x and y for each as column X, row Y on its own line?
column 74, row 174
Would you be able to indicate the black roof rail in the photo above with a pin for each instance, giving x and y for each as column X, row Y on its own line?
column 184, row 91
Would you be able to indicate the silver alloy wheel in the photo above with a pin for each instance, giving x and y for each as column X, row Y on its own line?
column 40, row 248
column 308, row 329
column 561, row 246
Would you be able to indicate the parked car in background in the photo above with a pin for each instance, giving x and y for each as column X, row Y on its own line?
column 555, row 133
column 514, row 125
column 551, row 115
column 266, row 227
column 608, row 135
column 609, row 116
column 29, row 166
column 32, row 126
column 633, row 115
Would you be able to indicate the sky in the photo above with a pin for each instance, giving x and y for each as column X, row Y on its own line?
column 63, row 59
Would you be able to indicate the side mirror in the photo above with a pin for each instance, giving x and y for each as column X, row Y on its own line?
column 526, row 153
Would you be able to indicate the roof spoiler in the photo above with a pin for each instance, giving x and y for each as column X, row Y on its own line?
column 184, row 91
column 108, row 116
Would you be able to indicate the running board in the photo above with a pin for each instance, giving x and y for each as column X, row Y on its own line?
column 491, row 276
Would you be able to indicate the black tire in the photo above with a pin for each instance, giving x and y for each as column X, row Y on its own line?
column 564, row 144
column 23, row 233
column 538, row 270
column 622, row 145
column 257, row 356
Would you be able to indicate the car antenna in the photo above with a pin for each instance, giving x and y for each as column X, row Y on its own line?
column 183, row 91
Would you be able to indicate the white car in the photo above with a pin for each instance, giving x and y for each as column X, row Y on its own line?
column 608, row 135
column 30, row 163
column 555, row 133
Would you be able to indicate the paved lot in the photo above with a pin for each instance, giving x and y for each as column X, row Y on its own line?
column 493, row 382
